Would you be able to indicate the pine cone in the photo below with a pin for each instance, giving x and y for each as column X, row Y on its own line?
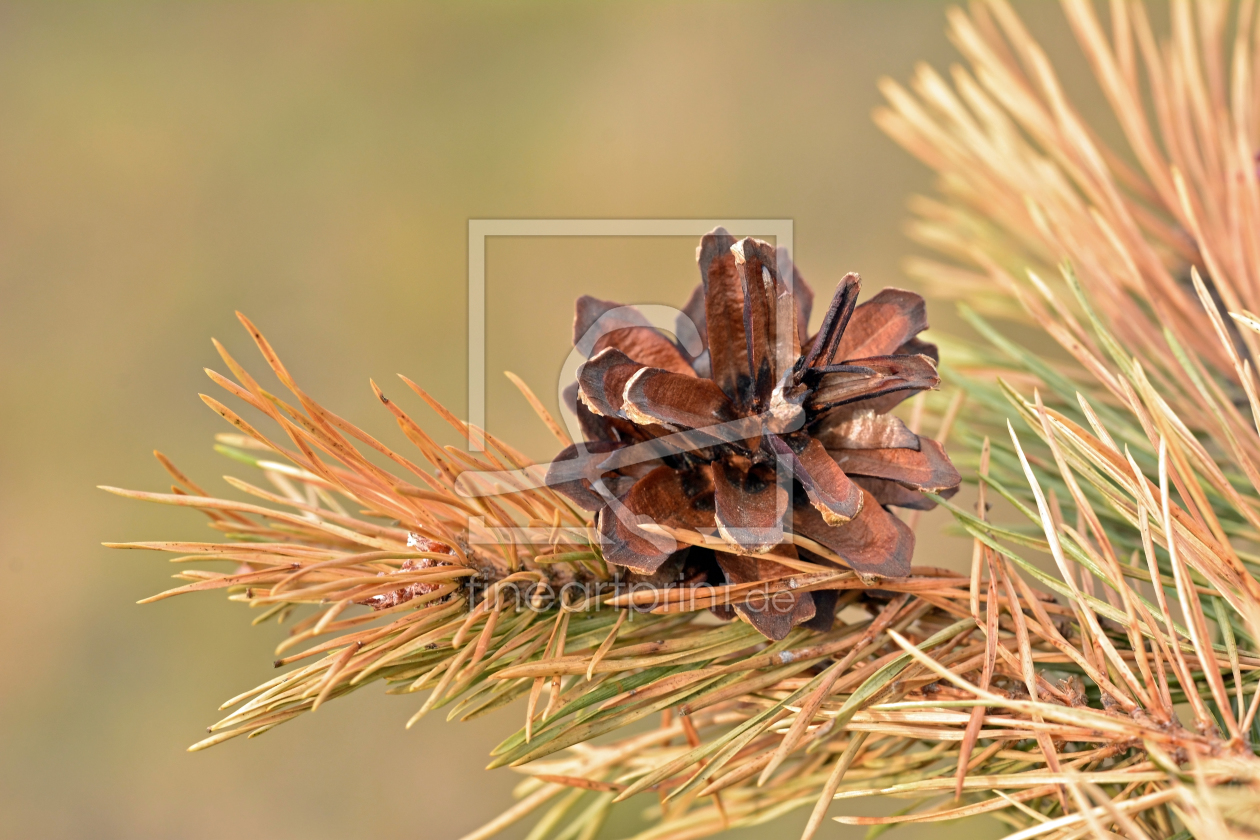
column 715, row 441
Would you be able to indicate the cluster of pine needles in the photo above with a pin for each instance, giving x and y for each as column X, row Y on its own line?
column 1097, row 671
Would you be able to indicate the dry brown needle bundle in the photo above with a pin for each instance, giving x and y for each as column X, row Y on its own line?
column 480, row 580
column 719, row 555
column 1142, row 263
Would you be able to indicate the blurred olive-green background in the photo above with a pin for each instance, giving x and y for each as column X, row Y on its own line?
column 315, row 166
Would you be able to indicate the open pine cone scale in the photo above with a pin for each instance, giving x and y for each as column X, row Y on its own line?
column 762, row 418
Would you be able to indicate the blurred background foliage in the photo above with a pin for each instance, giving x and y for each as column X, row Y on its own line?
column 315, row 166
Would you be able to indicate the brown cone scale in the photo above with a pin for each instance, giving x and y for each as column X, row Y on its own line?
column 764, row 406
